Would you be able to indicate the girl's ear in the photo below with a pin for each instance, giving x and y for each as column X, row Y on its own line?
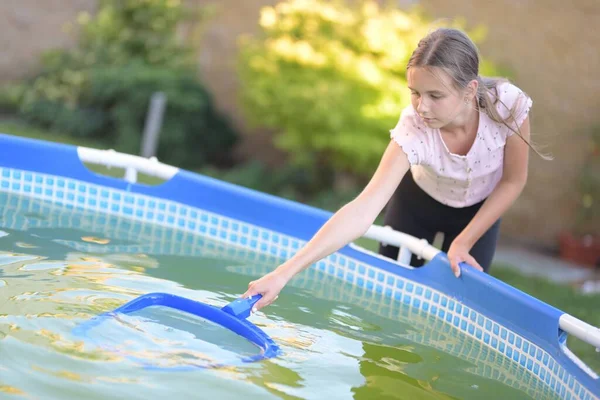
column 472, row 88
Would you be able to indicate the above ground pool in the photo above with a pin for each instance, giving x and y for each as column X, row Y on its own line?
column 75, row 244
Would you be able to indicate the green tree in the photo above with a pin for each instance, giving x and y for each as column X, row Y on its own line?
column 127, row 51
column 330, row 79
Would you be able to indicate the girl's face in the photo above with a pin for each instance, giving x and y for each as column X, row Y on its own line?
column 435, row 98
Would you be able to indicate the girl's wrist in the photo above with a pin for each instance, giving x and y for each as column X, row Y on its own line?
column 287, row 271
column 464, row 240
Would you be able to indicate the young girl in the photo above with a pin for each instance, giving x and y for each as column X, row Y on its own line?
column 456, row 162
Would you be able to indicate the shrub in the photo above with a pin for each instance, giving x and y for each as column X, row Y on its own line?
column 102, row 88
column 330, row 79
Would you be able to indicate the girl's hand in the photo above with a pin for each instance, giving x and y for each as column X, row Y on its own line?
column 268, row 286
column 459, row 252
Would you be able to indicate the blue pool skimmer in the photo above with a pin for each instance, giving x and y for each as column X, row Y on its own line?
column 233, row 316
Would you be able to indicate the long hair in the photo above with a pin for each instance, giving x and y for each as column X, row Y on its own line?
column 454, row 52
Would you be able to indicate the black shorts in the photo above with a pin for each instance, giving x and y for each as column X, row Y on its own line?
column 412, row 211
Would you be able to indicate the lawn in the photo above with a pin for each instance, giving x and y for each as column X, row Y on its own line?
column 565, row 298
column 17, row 128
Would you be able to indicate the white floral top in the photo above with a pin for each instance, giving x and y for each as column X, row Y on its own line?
column 457, row 180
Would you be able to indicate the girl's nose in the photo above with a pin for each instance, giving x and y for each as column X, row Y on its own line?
column 422, row 107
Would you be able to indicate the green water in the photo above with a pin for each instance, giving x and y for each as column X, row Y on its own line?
column 60, row 267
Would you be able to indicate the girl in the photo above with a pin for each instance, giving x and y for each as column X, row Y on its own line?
column 456, row 161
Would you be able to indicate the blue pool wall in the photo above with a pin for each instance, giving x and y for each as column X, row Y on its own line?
column 527, row 317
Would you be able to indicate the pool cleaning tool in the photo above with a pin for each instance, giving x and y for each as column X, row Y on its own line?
column 232, row 316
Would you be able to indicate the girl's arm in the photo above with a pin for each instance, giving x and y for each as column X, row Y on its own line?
column 514, row 177
column 346, row 225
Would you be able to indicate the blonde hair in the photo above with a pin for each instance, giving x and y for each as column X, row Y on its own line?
column 454, row 52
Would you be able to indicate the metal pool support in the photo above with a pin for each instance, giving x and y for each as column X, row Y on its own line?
column 152, row 127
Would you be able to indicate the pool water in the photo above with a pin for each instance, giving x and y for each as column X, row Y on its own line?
column 60, row 266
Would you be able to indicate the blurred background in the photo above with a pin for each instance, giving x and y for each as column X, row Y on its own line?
column 296, row 97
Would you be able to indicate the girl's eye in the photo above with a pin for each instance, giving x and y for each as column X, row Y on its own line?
column 435, row 96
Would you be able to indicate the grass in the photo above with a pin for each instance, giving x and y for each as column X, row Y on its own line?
column 565, row 298
column 120, row 173
column 18, row 128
